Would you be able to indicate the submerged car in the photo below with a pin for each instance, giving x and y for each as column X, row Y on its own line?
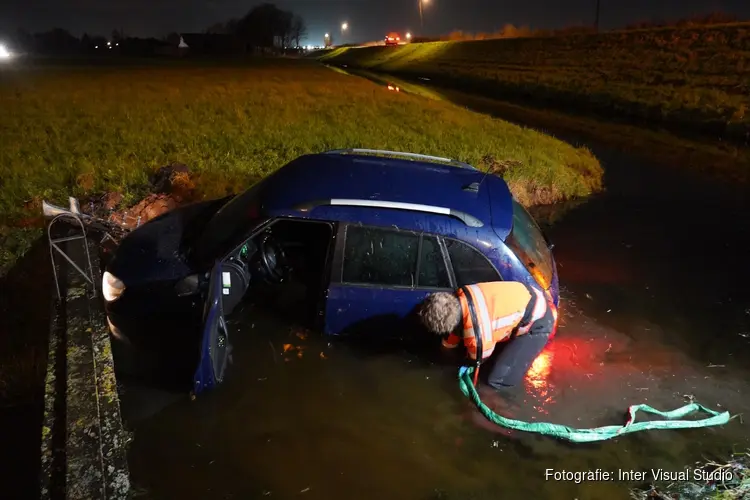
column 368, row 234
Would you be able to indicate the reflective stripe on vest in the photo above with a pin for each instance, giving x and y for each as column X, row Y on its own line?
column 540, row 309
column 485, row 322
column 506, row 321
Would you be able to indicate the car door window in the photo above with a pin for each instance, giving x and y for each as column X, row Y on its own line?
column 380, row 257
column 469, row 265
column 432, row 270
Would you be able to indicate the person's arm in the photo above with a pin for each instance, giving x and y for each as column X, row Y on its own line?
column 536, row 310
column 545, row 324
column 452, row 341
column 470, row 342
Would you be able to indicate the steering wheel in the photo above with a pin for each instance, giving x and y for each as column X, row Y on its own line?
column 273, row 260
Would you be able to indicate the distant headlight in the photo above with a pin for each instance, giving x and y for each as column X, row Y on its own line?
column 112, row 287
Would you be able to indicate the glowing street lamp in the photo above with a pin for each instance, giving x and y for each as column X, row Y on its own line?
column 421, row 4
column 344, row 27
column 408, row 36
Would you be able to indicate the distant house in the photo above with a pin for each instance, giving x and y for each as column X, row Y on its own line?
column 143, row 46
column 173, row 46
column 210, row 43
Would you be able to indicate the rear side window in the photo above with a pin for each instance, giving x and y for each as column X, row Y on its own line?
column 528, row 243
column 432, row 270
column 469, row 265
column 380, row 257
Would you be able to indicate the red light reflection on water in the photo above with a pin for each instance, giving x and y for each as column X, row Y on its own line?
column 537, row 379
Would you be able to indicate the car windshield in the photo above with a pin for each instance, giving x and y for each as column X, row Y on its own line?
column 230, row 225
column 528, row 243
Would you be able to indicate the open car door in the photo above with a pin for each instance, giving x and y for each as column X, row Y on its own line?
column 214, row 346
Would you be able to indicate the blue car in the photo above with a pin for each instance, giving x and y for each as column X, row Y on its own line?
column 366, row 234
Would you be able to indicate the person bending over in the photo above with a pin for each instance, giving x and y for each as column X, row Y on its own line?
column 488, row 314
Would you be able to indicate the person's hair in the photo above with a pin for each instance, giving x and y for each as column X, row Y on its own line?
column 440, row 312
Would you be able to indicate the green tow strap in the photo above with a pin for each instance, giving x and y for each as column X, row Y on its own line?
column 598, row 433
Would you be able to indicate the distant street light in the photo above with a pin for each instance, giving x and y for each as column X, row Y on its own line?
column 421, row 4
column 344, row 27
column 408, row 36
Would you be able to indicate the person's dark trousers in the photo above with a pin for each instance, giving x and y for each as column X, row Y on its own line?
column 514, row 359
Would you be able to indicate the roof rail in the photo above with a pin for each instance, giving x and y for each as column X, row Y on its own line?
column 467, row 219
column 414, row 156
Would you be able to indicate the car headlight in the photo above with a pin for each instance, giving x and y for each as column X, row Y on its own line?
column 112, row 287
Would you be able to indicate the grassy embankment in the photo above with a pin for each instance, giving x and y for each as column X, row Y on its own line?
column 694, row 79
column 85, row 130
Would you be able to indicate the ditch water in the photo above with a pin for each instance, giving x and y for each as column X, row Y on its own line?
column 655, row 310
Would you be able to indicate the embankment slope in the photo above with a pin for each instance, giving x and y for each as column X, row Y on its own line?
column 690, row 79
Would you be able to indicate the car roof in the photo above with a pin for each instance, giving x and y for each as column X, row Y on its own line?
column 370, row 181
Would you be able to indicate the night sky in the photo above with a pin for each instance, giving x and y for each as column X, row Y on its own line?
column 368, row 19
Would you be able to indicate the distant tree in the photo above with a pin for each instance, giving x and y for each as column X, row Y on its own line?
column 231, row 26
column 227, row 28
column 299, row 30
column 286, row 22
column 98, row 41
column 23, row 40
column 458, row 35
column 218, row 28
column 56, row 40
column 173, row 39
column 265, row 26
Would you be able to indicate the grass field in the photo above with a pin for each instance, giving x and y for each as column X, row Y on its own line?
column 692, row 79
column 82, row 129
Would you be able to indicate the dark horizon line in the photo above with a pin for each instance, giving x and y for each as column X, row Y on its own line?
column 654, row 22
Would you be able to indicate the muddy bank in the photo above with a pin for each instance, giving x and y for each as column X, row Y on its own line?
column 26, row 290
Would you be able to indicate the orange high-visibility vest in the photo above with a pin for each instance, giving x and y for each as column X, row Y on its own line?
column 500, row 307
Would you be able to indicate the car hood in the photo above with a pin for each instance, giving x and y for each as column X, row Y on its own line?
column 159, row 250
